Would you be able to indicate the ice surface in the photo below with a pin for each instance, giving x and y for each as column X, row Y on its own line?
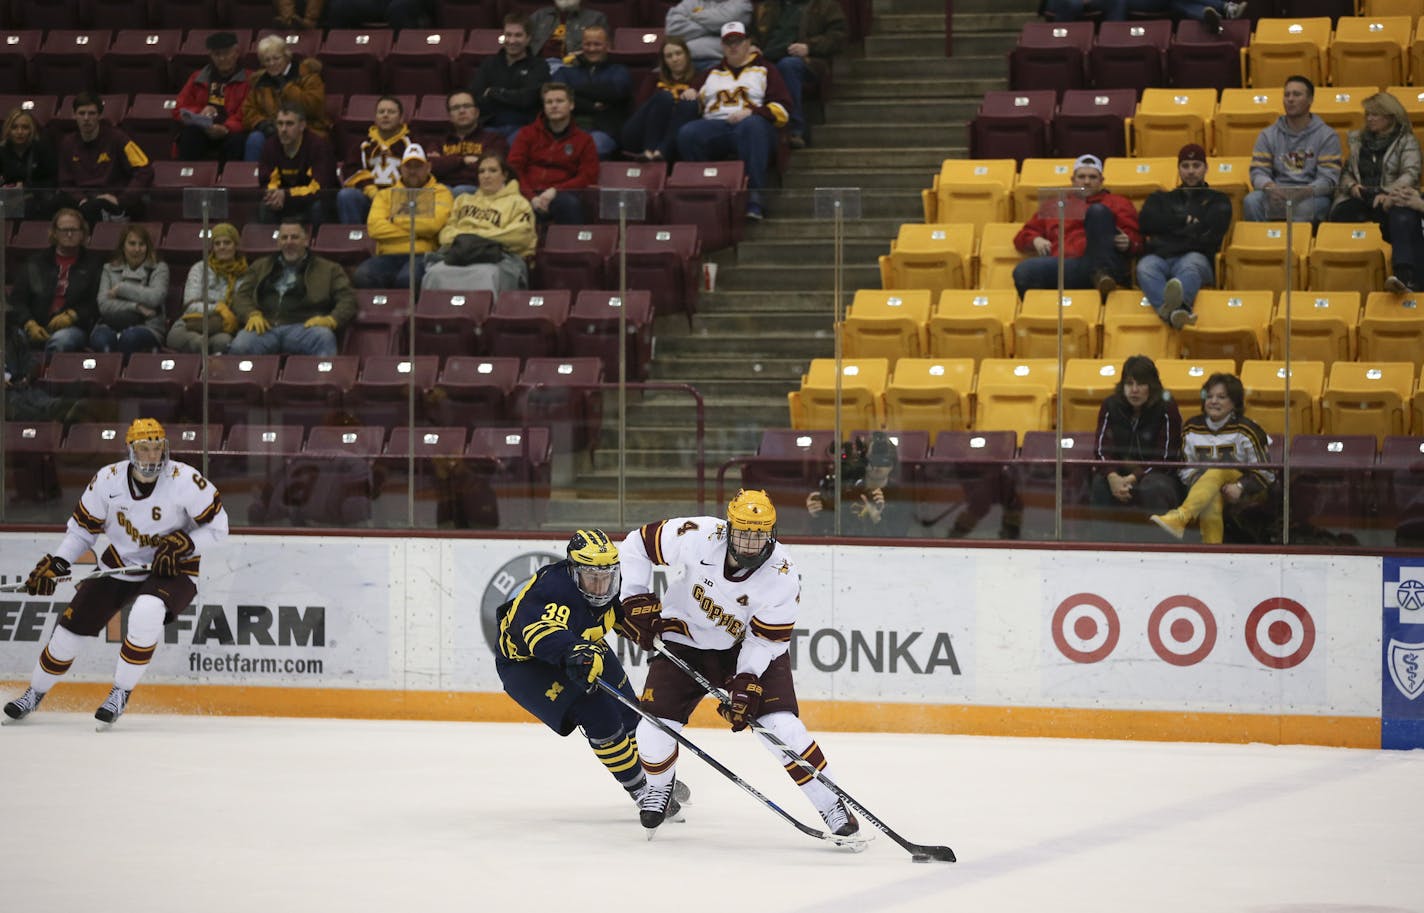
column 172, row 813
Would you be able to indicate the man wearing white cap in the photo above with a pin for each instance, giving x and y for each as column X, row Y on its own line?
column 388, row 224
column 744, row 104
column 1095, row 246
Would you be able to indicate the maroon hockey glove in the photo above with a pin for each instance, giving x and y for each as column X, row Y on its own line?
column 745, row 692
column 640, row 619
column 45, row 576
column 172, row 549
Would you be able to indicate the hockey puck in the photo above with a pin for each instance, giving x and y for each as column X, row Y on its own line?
column 919, row 857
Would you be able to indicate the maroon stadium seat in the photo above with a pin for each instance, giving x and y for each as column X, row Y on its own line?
column 30, row 470
column 649, row 177
column 68, row 60
column 711, row 196
column 17, row 49
column 593, row 330
column 149, row 122
column 1051, row 55
column 667, row 261
column 514, row 466
column 157, row 385
column 381, row 395
column 237, row 387
column 473, row 391
column 1090, row 121
column 1331, row 479
column 421, row 60
column 1130, row 55
column 351, row 60
column 451, row 323
column 165, row 200
column 637, row 47
column 526, row 323
column 575, row 257
column 562, row 394
column 310, row 389
column 82, row 373
column 348, row 245
column 137, row 61
column 1013, row 124
column 1198, row 58
column 382, row 319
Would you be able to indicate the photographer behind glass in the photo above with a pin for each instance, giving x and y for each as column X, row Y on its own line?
column 870, row 508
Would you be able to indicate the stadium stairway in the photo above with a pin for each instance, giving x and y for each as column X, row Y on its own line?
column 898, row 108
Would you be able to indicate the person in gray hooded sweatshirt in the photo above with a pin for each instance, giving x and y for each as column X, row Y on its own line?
column 1298, row 151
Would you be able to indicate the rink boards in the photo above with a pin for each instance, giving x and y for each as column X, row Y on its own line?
column 1182, row 646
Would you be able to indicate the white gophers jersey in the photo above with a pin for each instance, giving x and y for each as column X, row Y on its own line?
column 757, row 610
column 181, row 499
column 726, row 90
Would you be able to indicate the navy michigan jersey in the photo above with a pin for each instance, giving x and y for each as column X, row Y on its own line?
column 548, row 616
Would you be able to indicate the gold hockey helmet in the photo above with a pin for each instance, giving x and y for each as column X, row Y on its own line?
column 147, row 431
column 751, row 533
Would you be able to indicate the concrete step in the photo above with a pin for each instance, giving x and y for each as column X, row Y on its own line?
column 722, row 325
column 900, row 110
column 964, row 23
column 816, row 158
column 931, row 43
column 734, row 417
column 735, row 301
column 708, row 368
column 864, row 228
column 931, row 134
column 968, row 75
column 778, row 344
column 818, row 277
column 775, row 250
column 800, row 203
column 869, row 180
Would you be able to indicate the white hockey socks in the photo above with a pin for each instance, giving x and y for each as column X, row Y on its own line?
column 145, row 628
column 789, row 728
column 55, row 659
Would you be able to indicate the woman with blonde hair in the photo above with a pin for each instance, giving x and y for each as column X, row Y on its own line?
column 1383, row 156
column 281, row 80
column 133, row 289
column 211, row 294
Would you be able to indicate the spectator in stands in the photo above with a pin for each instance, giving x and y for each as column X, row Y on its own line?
column 1183, row 230
column 286, row 15
column 699, row 24
column 1298, row 157
column 55, row 298
column 1138, row 423
column 489, row 239
column 650, row 135
column 506, row 85
column 208, row 294
column 1384, row 156
column 375, row 163
column 209, row 110
column 602, row 91
column 868, row 500
column 389, row 224
column 103, row 173
column 554, row 157
column 296, row 168
column 133, row 289
column 292, row 302
column 27, row 161
column 1096, row 246
column 1220, row 434
column 556, row 31
column 1209, row 12
column 744, row 104
column 282, row 81
column 454, row 159
column 398, row 14
column 1406, row 208
column 800, row 37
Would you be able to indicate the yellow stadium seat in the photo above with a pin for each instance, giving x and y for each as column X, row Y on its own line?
column 1418, row 424
column 1265, row 383
column 1347, row 255
column 1392, row 329
column 1281, row 48
column 1168, row 119
column 887, row 324
column 1240, row 116
column 1183, row 378
column 1322, row 326
column 1230, row 324
column 1036, row 323
column 1139, row 178
column 934, row 257
column 1036, row 175
column 1231, row 174
column 1411, row 97
column 1341, row 108
column 930, row 394
column 1254, row 256
column 1015, row 395
column 1370, row 50
column 997, row 255
column 862, row 394
column 1086, row 383
column 1367, row 397
column 973, row 190
column 973, row 323
column 1131, row 327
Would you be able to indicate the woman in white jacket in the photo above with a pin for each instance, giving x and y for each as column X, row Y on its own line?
column 133, row 289
column 225, row 268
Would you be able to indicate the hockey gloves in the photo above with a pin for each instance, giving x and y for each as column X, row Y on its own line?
column 172, row 549
column 46, row 575
column 641, row 619
column 744, row 689
column 583, row 664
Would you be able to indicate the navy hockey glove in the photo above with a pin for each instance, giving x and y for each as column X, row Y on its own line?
column 640, row 619
column 583, row 664
column 744, row 690
column 172, row 549
column 45, row 577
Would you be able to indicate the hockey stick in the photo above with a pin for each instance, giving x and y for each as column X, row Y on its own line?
column 107, row 572
column 857, row 843
column 918, row 851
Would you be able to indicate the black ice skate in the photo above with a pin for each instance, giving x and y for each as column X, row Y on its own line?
column 112, row 708
column 659, row 804
column 22, row 706
column 840, row 821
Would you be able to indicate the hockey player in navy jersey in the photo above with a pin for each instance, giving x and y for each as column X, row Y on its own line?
column 551, row 654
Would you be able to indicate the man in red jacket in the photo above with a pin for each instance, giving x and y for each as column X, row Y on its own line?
column 1096, row 244
column 209, row 107
column 554, row 157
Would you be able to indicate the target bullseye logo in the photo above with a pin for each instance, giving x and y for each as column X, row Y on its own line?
column 1182, row 630
column 1086, row 628
column 1280, row 633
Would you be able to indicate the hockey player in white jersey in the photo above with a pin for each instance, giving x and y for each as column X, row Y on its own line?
column 154, row 510
column 729, row 615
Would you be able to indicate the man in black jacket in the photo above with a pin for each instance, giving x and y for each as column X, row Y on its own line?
column 1183, row 229
column 55, row 300
column 506, row 85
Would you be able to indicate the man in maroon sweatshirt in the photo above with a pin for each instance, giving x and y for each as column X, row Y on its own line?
column 102, row 173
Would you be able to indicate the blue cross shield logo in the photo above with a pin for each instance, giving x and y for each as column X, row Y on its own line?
column 1406, row 667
